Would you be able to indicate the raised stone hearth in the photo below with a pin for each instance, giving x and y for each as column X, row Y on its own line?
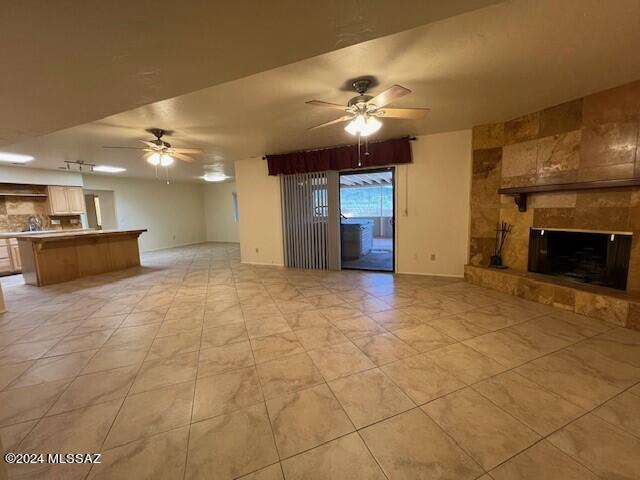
column 618, row 308
column 589, row 139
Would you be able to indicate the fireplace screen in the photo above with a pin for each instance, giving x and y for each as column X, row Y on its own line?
column 596, row 258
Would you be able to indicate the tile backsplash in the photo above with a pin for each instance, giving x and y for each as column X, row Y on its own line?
column 15, row 211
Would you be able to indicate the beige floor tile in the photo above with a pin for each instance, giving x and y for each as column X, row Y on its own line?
column 167, row 347
column 94, row 324
column 148, row 413
column 79, row 343
column 622, row 411
column 272, row 472
column 619, row 345
column 114, row 357
column 14, row 434
column 340, row 360
column 306, row 319
column 226, row 392
column 135, row 319
column 539, row 409
column 275, row 346
column 394, row 319
column 265, row 326
column 21, row 352
column 288, row 375
column 8, row 373
column 232, row 313
column 133, row 336
column 231, row 445
column 28, row 403
column 81, row 430
column 516, row 345
column 421, row 378
column 167, row 371
column 224, row 335
column 306, row 419
column 399, row 446
column 583, row 377
column 160, row 457
column 358, row 326
column 601, row 447
column 423, row 338
column 95, row 388
column 226, row 358
column 313, row 338
column 458, row 327
column 465, row 363
column 50, row 369
column 384, row 348
column 345, row 457
column 487, row 433
column 369, row 397
column 50, row 332
column 543, row 461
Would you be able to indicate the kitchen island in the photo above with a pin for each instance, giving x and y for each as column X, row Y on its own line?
column 49, row 258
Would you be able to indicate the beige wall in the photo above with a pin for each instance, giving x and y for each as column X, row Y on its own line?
column 37, row 176
column 219, row 215
column 260, row 214
column 436, row 220
column 432, row 205
column 173, row 214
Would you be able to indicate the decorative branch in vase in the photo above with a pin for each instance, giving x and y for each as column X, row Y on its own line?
column 503, row 229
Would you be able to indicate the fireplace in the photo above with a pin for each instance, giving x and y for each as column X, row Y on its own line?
column 598, row 258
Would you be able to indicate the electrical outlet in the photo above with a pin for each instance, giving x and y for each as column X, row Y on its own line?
column 433, row 257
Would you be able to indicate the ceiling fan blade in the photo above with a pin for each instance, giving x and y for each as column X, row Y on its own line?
column 409, row 113
column 320, row 103
column 344, row 118
column 194, row 151
column 389, row 95
column 150, row 144
column 180, row 156
column 127, row 148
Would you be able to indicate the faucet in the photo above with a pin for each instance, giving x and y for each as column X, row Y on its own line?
column 34, row 223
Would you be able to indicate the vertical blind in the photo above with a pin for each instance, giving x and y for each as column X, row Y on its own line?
column 305, row 211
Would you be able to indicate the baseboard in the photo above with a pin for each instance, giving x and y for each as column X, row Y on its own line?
column 263, row 264
column 173, row 246
column 446, row 275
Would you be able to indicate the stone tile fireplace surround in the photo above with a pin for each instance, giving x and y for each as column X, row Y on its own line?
column 588, row 139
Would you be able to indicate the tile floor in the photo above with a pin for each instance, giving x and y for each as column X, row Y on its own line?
column 198, row 367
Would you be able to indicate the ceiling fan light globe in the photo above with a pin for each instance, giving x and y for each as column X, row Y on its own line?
column 154, row 159
column 371, row 125
column 166, row 160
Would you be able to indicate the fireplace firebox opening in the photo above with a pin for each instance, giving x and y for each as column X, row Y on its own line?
column 598, row 258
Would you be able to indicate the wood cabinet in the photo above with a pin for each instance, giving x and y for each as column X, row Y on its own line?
column 9, row 256
column 66, row 200
column 5, row 260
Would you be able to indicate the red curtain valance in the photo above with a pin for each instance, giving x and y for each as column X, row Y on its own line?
column 386, row 152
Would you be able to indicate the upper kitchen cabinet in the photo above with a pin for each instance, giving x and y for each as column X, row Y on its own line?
column 66, row 200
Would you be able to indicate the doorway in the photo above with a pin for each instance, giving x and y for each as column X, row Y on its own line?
column 101, row 209
column 367, row 219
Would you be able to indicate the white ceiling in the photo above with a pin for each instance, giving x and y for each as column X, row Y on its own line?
column 483, row 66
column 68, row 62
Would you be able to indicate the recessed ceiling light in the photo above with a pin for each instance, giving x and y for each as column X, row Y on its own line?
column 14, row 157
column 214, row 177
column 108, row 169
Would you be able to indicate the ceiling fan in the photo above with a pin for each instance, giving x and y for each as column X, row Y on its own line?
column 161, row 153
column 364, row 111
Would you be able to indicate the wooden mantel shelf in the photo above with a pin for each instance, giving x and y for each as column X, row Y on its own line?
column 520, row 193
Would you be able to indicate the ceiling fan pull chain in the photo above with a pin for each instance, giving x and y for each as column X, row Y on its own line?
column 359, row 159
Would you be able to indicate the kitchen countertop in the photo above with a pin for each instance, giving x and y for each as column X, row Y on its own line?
column 40, row 237
column 5, row 235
